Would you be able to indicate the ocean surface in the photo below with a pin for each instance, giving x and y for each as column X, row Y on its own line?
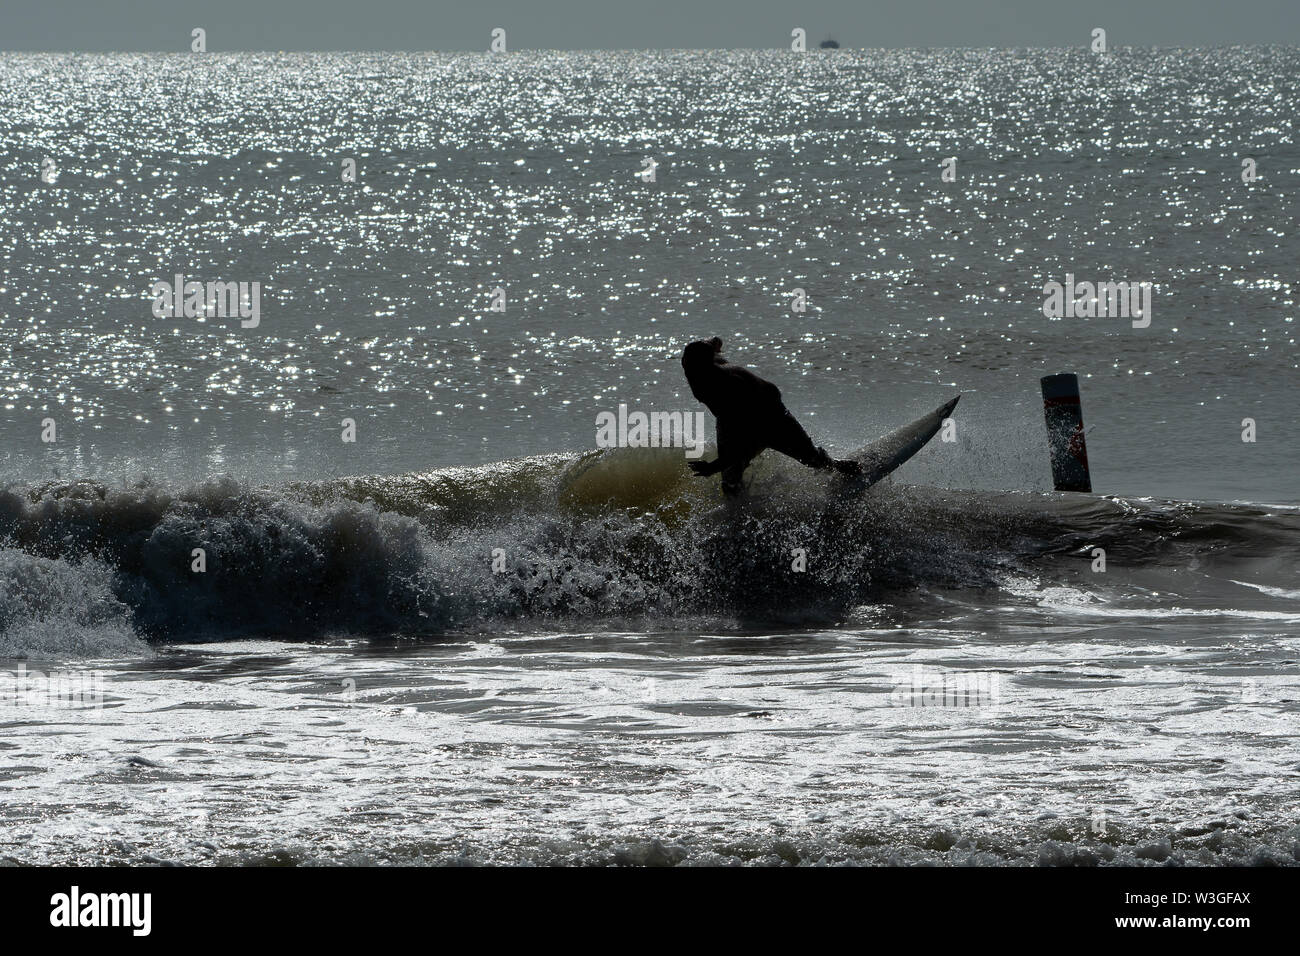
column 466, row 637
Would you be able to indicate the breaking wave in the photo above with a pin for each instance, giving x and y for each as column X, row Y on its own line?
column 620, row 535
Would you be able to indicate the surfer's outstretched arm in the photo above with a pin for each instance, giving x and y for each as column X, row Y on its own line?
column 726, row 459
column 737, row 446
column 733, row 472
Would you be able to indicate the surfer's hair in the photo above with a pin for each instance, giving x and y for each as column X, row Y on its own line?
column 701, row 354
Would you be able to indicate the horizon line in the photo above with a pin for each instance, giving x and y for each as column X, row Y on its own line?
column 666, row 49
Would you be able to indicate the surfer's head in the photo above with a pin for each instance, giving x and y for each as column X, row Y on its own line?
column 702, row 355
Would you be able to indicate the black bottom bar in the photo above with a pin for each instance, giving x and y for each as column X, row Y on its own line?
column 932, row 907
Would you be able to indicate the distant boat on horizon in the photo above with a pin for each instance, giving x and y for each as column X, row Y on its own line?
column 829, row 44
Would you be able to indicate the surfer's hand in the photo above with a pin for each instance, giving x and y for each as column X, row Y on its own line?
column 703, row 468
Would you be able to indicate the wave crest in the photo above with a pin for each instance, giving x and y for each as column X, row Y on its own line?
column 624, row 534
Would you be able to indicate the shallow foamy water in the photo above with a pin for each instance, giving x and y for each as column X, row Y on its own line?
column 987, row 740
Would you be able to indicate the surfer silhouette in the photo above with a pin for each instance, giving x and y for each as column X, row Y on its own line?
column 751, row 417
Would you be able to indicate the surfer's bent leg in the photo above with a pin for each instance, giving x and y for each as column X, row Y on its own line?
column 736, row 449
column 733, row 477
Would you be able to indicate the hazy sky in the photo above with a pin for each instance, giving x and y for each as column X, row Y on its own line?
column 635, row 24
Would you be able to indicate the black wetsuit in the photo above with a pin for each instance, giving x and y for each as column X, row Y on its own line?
column 751, row 417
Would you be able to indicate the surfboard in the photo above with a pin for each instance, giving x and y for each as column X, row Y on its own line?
column 884, row 455
column 648, row 477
